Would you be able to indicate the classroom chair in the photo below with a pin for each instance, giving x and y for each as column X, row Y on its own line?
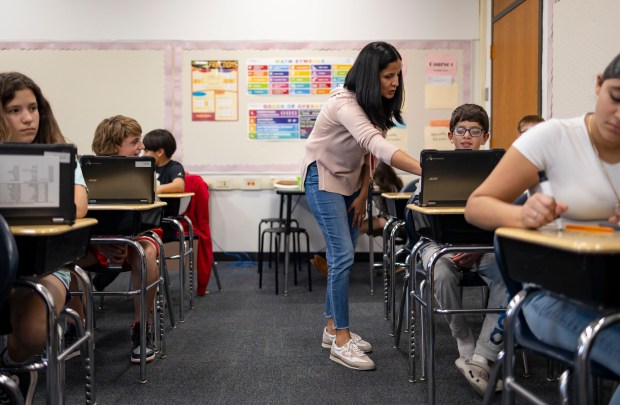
column 518, row 335
column 9, row 260
column 422, row 297
column 277, row 234
column 198, row 213
column 270, row 223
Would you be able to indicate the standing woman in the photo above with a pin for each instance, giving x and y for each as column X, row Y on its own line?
column 337, row 164
column 31, row 120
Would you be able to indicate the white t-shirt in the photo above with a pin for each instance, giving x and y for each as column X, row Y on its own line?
column 562, row 148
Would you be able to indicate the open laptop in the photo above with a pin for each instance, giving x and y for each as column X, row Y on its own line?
column 37, row 183
column 450, row 176
column 119, row 179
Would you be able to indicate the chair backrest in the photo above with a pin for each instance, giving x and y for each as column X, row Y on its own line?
column 198, row 208
column 9, row 260
column 512, row 285
column 411, row 187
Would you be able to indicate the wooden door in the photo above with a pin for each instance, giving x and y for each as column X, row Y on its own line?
column 516, row 66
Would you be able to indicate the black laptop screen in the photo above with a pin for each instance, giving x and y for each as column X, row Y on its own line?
column 449, row 177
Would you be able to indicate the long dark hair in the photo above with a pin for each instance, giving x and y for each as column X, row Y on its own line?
column 49, row 131
column 364, row 80
column 612, row 71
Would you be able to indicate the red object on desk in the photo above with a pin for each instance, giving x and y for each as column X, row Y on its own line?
column 198, row 213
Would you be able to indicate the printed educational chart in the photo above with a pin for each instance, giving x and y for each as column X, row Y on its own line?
column 282, row 121
column 440, row 89
column 296, row 76
column 215, row 90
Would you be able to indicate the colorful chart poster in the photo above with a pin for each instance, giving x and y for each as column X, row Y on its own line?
column 215, row 90
column 282, row 121
column 296, row 76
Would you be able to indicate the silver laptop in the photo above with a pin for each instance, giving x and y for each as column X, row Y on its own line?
column 119, row 179
column 37, row 183
column 450, row 176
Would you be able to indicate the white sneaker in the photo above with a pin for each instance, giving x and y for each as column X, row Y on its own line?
column 357, row 339
column 350, row 356
column 477, row 374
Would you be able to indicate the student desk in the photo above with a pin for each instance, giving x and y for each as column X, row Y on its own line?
column 579, row 265
column 287, row 194
column 177, row 204
column 43, row 249
column 445, row 226
column 118, row 223
column 396, row 204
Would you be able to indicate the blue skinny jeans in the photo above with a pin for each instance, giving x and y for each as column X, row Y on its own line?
column 330, row 211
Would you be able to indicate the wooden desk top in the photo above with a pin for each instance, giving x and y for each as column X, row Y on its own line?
column 396, row 196
column 175, row 195
column 126, row 207
column 50, row 230
column 437, row 210
column 573, row 241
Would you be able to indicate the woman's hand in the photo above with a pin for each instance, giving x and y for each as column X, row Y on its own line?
column 540, row 209
column 358, row 208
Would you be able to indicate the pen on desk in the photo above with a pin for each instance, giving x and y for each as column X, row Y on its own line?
column 545, row 187
column 589, row 228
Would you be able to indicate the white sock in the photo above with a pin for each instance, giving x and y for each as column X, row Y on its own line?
column 480, row 359
column 466, row 346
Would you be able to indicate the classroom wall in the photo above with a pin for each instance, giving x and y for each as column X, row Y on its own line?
column 156, row 26
column 238, row 20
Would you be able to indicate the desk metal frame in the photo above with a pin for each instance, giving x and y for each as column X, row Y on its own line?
column 424, row 298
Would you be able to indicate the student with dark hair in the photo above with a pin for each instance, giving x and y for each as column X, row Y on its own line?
column 161, row 145
column 352, row 125
column 568, row 151
column 528, row 121
column 28, row 118
column 386, row 181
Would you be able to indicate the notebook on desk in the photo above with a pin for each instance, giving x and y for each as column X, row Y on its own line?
column 119, row 179
column 37, row 183
column 450, row 176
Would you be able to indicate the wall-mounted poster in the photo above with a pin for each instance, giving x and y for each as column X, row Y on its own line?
column 215, row 90
column 296, row 76
column 282, row 121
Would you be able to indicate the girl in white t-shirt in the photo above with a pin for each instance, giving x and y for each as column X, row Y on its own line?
column 569, row 151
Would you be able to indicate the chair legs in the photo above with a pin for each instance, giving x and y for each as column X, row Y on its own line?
column 275, row 235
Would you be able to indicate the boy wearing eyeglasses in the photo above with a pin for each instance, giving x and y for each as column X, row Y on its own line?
column 469, row 129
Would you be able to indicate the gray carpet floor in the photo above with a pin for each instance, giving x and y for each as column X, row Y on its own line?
column 245, row 345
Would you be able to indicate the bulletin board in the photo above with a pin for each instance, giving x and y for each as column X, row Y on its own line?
column 85, row 85
column 152, row 82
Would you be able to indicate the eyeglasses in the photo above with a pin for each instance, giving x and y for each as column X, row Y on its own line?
column 474, row 132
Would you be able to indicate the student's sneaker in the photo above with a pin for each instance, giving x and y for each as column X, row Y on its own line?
column 350, row 356
column 135, row 339
column 477, row 374
column 25, row 380
column 363, row 345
